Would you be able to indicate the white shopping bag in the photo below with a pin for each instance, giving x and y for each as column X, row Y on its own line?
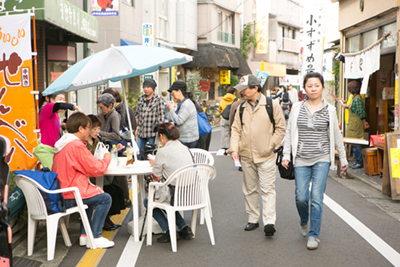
column 101, row 149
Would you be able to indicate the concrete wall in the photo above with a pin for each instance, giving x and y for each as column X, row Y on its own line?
column 350, row 13
column 186, row 23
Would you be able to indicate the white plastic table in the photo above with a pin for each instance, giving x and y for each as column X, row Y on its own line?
column 139, row 169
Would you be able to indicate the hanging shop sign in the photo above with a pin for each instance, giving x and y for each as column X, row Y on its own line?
column 17, row 109
column 224, row 77
column 262, row 76
column 204, row 86
column 313, row 41
column 105, row 7
column 147, row 34
column 262, row 26
column 360, row 64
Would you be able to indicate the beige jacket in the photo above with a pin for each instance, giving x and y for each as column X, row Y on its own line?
column 255, row 140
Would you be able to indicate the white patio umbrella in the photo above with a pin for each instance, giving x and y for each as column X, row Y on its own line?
column 116, row 63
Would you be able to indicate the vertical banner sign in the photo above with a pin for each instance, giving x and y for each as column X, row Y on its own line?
column 224, row 77
column 396, row 104
column 262, row 26
column 313, row 42
column 105, row 7
column 17, row 107
column 147, row 34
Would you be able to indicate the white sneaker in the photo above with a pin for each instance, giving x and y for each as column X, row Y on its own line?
column 304, row 230
column 102, row 242
column 312, row 243
column 82, row 241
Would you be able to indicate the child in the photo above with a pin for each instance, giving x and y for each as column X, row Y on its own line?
column 115, row 191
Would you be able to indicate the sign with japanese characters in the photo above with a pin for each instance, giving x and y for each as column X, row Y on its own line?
column 105, row 7
column 262, row 76
column 147, row 34
column 312, row 41
column 262, row 27
column 17, row 109
column 361, row 64
column 224, row 77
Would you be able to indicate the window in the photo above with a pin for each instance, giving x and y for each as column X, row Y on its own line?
column 163, row 19
column 220, row 21
column 392, row 39
column 287, row 32
column 353, row 44
column 368, row 38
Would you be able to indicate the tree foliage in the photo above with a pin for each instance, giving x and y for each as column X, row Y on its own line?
column 247, row 41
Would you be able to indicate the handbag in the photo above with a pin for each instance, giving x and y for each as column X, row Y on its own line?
column 101, row 149
column 203, row 124
column 284, row 173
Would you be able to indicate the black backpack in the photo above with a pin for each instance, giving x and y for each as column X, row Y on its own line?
column 269, row 108
column 225, row 113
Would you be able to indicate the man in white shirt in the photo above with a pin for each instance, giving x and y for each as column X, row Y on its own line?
column 293, row 94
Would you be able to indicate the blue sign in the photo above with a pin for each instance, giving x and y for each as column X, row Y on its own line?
column 262, row 76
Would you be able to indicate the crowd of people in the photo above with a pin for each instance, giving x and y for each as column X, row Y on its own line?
column 256, row 126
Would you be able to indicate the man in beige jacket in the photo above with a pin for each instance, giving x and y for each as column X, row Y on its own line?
column 254, row 139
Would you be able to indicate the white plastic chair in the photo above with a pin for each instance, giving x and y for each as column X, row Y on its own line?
column 191, row 192
column 37, row 211
column 204, row 157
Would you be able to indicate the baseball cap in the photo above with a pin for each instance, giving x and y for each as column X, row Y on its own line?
column 246, row 81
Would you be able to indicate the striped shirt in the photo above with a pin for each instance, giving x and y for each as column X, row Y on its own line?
column 313, row 132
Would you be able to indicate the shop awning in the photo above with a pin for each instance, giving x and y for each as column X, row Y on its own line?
column 126, row 42
column 216, row 56
column 62, row 14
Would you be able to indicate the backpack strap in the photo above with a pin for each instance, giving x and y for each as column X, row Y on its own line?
column 270, row 111
column 269, row 108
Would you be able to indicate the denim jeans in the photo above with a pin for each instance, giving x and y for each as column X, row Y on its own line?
column 357, row 154
column 190, row 144
column 102, row 203
column 142, row 141
column 304, row 175
column 163, row 221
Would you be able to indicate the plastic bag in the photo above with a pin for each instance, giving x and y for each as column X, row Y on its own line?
column 101, row 149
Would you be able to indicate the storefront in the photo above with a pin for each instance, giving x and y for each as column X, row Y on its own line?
column 379, row 99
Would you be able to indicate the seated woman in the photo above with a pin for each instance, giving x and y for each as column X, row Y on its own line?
column 172, row 156
column 114, row 190
column 74, row 164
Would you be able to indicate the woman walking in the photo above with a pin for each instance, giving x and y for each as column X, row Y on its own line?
column 312, row 135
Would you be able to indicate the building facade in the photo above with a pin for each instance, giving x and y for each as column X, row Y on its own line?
column 362, row 23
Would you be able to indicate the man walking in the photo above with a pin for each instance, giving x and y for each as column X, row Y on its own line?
column 254, row 137
column 293, row 94
column 149, row 112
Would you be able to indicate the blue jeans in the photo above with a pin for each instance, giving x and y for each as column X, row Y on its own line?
column 163, row 221
column 317, row 174
column 142, row 141
column 357, row 154
column 102, row 203
column 190, row 144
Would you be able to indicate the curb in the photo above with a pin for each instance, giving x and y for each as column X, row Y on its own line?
column 365, row 180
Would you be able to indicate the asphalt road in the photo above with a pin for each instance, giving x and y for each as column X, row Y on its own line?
column 355, row 230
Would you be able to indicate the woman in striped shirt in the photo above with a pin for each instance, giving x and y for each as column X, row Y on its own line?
column 312, row 135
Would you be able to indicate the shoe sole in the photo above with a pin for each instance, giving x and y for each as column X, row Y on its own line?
column 312, row 248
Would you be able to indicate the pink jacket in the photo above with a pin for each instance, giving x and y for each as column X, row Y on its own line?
column 74, row 163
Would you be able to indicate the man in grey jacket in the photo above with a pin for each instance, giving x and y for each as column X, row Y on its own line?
column 185, row 115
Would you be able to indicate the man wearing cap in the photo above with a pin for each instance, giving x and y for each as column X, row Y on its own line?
column 149, row 112
column 254, row 139
column 185, row 114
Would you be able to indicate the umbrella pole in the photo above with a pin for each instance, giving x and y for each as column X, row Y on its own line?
column 134, row 145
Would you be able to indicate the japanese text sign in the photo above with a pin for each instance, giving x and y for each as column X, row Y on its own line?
column 147, row 34
column 224, row 77
column 17, row 110
column 312, row 41
column 262, row 27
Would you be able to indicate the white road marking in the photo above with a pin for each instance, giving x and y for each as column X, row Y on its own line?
column 375, row 241
column 131, row 253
